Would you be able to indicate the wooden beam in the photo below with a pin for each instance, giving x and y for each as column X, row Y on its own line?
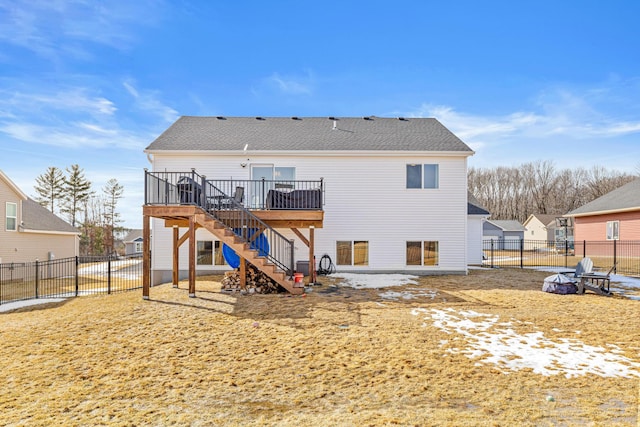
column 176, row 256
column 192, row 257
column 243, row 274
column 300, row 236
column 312, row 257
column 146, row 256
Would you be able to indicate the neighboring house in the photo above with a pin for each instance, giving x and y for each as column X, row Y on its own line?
column 477, row 214
column 543, row 230
column 507, row 234
column 133, row 243
column 394, row 189
column 30, row 232
column 613, row 216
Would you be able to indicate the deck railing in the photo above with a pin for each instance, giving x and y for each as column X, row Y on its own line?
column 165, row 188
column 230, row 207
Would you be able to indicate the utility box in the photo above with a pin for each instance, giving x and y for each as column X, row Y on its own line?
column 302, row 267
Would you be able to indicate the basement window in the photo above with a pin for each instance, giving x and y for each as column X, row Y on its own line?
column 422, row 253
column 204, row 249
column 352, row 252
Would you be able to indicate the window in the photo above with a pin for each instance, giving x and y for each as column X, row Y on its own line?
column 218, row 255
column 352, row 253
column 613, row 230
column 138, row 247
column 12, row 216
column 204, row 250
column 422, row 253
column 422, row 176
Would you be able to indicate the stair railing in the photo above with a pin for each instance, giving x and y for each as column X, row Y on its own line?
column 230, row 211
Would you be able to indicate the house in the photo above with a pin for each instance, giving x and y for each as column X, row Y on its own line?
column 30, row 232
column 133, row 242
column 543, row 230
column 611, row 217
column 476, row 215
column 383, row 194
column 506, row 234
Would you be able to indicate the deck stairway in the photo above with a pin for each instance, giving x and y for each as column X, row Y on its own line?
column 242, row 247
column 182, row 195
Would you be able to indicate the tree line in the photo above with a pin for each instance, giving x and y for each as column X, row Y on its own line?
column 70, row 194
column 540, row 188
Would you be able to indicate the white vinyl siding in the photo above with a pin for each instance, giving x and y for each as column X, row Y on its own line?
column 359, row 205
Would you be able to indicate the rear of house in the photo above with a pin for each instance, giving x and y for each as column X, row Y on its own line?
column 30, row 232
column 394, row 190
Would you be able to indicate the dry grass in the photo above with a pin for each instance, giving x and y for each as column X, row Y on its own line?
column 337, row 357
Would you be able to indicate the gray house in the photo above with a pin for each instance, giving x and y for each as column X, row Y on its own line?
column 133, row 242
column 506, row 234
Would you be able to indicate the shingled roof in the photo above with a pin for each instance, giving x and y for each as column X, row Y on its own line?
column 38, row 218
column 625, row 198
column 308, row 134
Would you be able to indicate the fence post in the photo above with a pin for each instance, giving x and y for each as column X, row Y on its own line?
column 77, row 283
column 615, row 255
column 109, row 275
column 521, row 253
column 37, row 276
column 491, row 253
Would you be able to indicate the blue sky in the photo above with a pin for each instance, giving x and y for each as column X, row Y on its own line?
column 94, row 82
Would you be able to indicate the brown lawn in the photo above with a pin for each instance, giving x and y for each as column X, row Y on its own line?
column 336, row 357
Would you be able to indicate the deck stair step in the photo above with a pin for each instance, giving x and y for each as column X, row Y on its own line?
column 243, row 249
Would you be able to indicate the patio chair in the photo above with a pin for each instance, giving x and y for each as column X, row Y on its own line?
column 585, row 266
column 226, row 202
column 596, row 282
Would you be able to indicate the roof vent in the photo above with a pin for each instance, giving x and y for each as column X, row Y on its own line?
column 221, row 118
column 367, row 118
column 402, row 119
column 260, row 118
column 295, row 118
column 332, row 118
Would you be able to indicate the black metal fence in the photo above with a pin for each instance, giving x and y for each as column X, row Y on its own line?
column 69, row 277
column 624, row 255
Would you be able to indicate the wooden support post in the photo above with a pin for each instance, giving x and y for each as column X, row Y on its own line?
column 176, row 255
column 192, row 257
column 146, row 256
column 243, row 274
column 312, row 262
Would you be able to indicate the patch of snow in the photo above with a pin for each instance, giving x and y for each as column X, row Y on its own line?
column 375, row 281
column 499, row 344
column 408, row 294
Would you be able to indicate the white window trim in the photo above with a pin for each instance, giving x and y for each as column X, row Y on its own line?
column 617, row 229
column 7, row 216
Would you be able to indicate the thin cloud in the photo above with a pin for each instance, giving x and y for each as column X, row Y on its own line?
column 148, row 102
column 291, row 85
column 59, row 28
column 558, row 114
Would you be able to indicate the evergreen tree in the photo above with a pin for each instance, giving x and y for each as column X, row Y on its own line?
column 77, row 191
column 113, row 192
column 50, row 188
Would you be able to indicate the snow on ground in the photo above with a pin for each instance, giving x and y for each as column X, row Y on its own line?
column 375, row 281
column 486, row 339
column 118, row 269
column 407, row 294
